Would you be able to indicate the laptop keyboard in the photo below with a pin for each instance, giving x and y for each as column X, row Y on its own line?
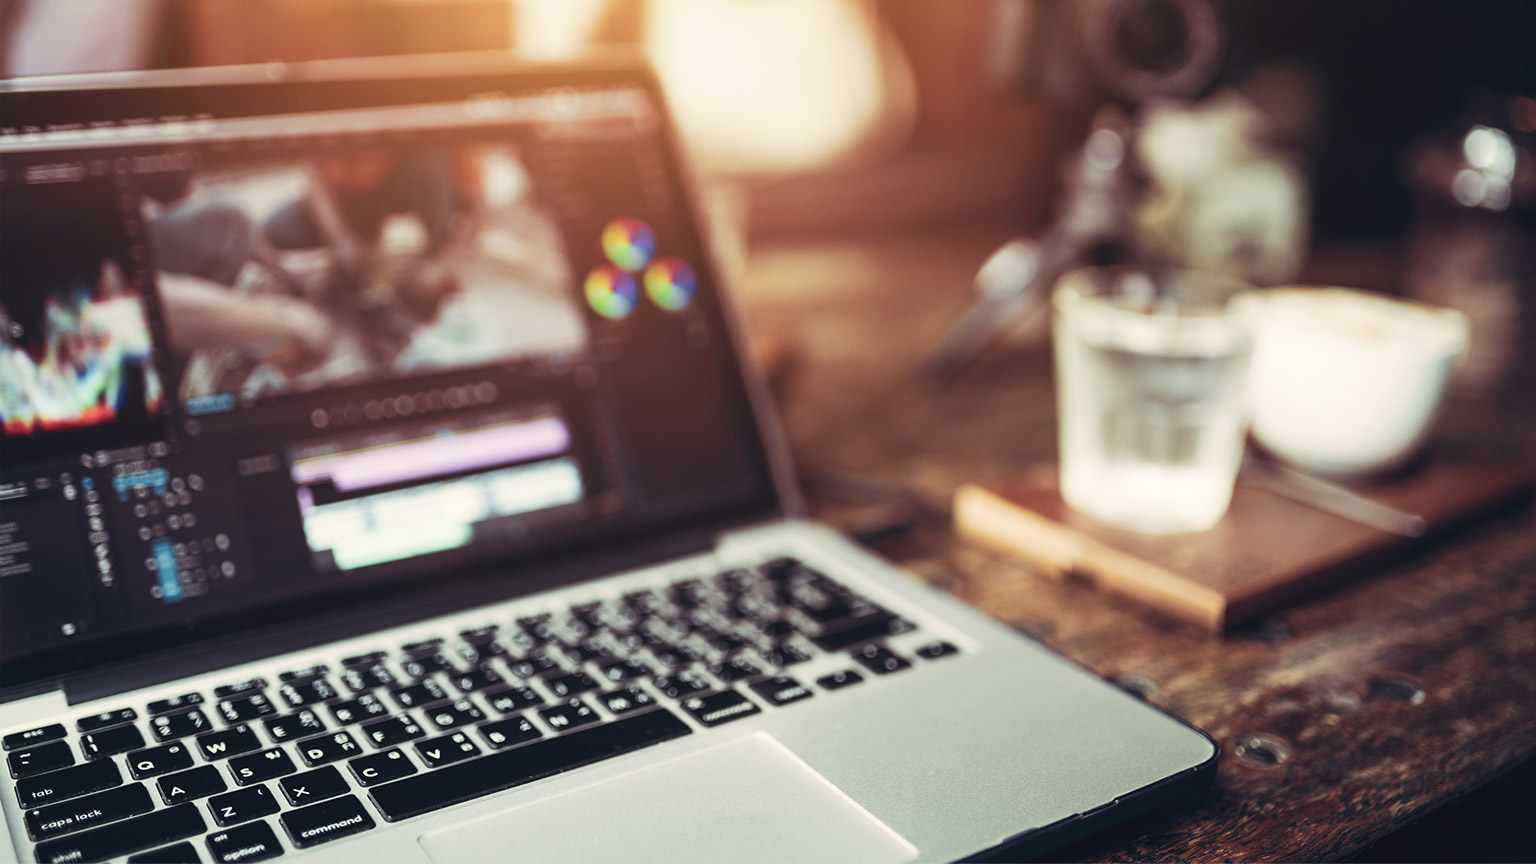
column 329, row 751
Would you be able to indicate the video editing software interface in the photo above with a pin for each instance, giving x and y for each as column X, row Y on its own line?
column 248, row 358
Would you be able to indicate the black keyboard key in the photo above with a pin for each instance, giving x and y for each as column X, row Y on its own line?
column 571, row 685
column 253, row 842
column 67, row 783
column 300, row 693
column 261, row 766
column 363, row 659
column 780, row 568
column 735, row 669
column 684, row 683
column 200, row 782
column 477, row 679
column 479, row 654
column 839, row 680
column 786, row 654
column 110, row 742
column 247, row 686
column 328, row 748
column 105, row 719
column 727, row 643
column 242, row 805
column 587, row 649
column 120, row 838
column 866, row 630
column 689, row 593
column 459, row 713
column 670, row 658
column 169, row 727
column 304, row 674
column 312, row 786
column 937, row 650
column 175, row 703
column 246, row 708
column 230, row 742
column 40, row 735
column 624, row 670
column 98, row 809
column 364, row 707
column 395, row 730
column 39, row 760
column 476, row 777
column 368, row 677
column 540, row 628
column 446, row 750
column 534, row 664
column 480, row 636
column 159, row 760
column 781, row 690
column 645, row 602
column 778, row 631
column 718, row 708
column 381, row 767
column 880, row 660
column 300, row 725
column 568, row 715
column 506, row 733
column 512, row 699
column 181, row 853
column 629, row 699
column 520, row 639
column 326, row 821
column 426, row 664
column 417, row 695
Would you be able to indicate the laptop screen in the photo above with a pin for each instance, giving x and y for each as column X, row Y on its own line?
column 266, row 342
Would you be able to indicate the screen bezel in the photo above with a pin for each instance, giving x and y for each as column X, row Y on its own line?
column 138, row 658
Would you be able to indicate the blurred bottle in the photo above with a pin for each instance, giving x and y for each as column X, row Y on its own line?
column 1473, row 244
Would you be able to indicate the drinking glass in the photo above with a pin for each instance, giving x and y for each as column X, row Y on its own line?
column 1150, row 372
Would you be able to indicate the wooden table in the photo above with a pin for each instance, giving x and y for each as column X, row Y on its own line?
column 1341, row 720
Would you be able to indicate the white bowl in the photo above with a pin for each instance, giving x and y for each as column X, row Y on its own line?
column 1346, row 381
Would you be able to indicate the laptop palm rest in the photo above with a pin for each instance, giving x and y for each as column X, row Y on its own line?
column 747, row 800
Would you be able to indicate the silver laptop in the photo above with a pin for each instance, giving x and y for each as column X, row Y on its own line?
column 383, row 481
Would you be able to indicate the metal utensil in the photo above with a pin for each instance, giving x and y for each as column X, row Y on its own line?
column 1331, row 498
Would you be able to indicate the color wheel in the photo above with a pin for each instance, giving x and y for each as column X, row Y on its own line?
column 670, row 283
column 628, row 243
column 611, row 292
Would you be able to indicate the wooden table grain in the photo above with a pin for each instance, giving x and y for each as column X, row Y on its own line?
column 1340, row 719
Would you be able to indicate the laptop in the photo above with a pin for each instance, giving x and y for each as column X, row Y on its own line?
column 383, row 480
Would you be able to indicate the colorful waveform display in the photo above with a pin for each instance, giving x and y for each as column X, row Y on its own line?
column 611, row 292
column 629, row 243
column 671, row 283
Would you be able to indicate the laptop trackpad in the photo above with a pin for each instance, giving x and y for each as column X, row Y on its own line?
column 749, row 800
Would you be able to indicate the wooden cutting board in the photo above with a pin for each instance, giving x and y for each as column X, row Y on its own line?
column 1266, row 552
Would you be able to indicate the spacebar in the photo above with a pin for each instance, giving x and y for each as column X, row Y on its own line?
column 465, row 780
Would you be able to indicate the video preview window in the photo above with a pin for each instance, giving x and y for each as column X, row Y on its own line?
column 77, row 356
column 285, row 274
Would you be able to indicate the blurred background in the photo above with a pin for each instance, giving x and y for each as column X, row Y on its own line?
column 852, row 114
column 1378, row 144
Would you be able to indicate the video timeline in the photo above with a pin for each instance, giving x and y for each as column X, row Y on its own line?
column 365, row 502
